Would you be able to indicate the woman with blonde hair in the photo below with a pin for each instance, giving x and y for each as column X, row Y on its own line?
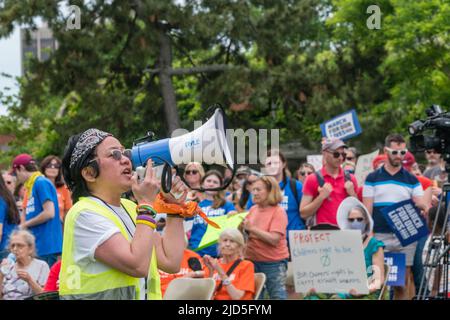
column 27, row 275
column 266, row 226
column 235, row 278
column 193, row 174
column 213, row 205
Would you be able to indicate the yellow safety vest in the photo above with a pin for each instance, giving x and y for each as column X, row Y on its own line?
column 76, row 283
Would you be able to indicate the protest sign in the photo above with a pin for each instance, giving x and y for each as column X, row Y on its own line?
column 344, row 126
column 364, row 166
column 397, row 272
column 328, row 261
column 405, row 221
column 315, row 160
column 212, row 234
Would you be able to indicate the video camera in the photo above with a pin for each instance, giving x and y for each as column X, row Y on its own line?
column 439, row 123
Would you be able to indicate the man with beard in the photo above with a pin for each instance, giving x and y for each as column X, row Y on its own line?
column 386, row 186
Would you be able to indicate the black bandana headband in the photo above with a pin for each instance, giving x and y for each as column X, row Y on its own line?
column 88, row 141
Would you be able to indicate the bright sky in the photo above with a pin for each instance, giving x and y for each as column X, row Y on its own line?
column 10, row 63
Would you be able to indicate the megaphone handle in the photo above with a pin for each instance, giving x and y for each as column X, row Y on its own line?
column 166, row 178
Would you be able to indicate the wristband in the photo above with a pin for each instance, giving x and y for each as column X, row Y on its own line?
column 145, row 208
column 146, row 218
column 147, row 223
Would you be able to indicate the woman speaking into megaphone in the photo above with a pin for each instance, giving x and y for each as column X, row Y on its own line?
column 110, row 247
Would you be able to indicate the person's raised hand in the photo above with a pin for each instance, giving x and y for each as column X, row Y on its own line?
column 178, row 187
column 147, row 189
column 350, row 188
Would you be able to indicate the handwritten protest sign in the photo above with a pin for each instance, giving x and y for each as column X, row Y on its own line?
column 405, row 221
column 315, row 160
column 328, row 261
column 364, row 166
column 397, row 272
column 344, row 126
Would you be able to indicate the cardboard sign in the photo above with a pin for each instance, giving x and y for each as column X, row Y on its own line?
column 397, row 272
column 315, row 160
column 344, row 126
column 364, row 166
column 328, row 261
column 406, row 222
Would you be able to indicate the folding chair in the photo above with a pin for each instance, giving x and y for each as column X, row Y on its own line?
column 260, row 280
column 190, row 289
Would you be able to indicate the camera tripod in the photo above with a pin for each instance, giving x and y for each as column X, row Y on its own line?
column 437, row 259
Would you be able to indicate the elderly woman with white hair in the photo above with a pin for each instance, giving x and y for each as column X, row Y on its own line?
column 353, row 215
column 235, row 278
column 28, row 275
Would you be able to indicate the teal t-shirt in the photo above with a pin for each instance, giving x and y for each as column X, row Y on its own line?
column 370, row 250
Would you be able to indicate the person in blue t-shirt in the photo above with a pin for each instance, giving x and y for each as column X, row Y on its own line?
column 275, row 165
column 213, row 205
column 42, row 210
column 9, row 217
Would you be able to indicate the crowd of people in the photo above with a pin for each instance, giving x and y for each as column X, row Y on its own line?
column 72, row 226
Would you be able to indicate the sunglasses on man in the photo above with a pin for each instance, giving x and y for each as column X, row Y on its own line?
column 396, row 152
column 337, row 154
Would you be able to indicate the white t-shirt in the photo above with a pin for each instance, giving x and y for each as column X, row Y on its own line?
column 92, row 230
column 15, row 288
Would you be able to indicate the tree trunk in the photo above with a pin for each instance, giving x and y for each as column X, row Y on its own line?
column 167, row 90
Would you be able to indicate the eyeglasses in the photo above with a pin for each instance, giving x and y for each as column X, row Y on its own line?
column 350, row 158
column 117, row 154
column 53, row 166
column 396, row 152
column 336, row 154
column 357, row 219
column 430, row 152
column 303, row 173
column 191, row 172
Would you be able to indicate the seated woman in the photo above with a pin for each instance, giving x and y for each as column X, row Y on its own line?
column 27, row 275
column 235, row 278
column 353, row 215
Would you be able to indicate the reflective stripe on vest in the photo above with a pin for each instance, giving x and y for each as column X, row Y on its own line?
column 75, row 283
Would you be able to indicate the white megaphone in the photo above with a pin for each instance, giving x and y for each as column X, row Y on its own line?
column 207, row 144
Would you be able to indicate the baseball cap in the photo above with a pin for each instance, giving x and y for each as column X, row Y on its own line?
column 332, row 144
column 21, row 160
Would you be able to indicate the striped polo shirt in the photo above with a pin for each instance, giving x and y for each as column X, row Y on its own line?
column 386, row 190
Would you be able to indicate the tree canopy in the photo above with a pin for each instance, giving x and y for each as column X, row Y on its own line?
column 136, row 66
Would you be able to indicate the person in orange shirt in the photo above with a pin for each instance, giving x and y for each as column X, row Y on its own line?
column 266, row 226
column 51, row 168
column 235, row 278
column 191, row 266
